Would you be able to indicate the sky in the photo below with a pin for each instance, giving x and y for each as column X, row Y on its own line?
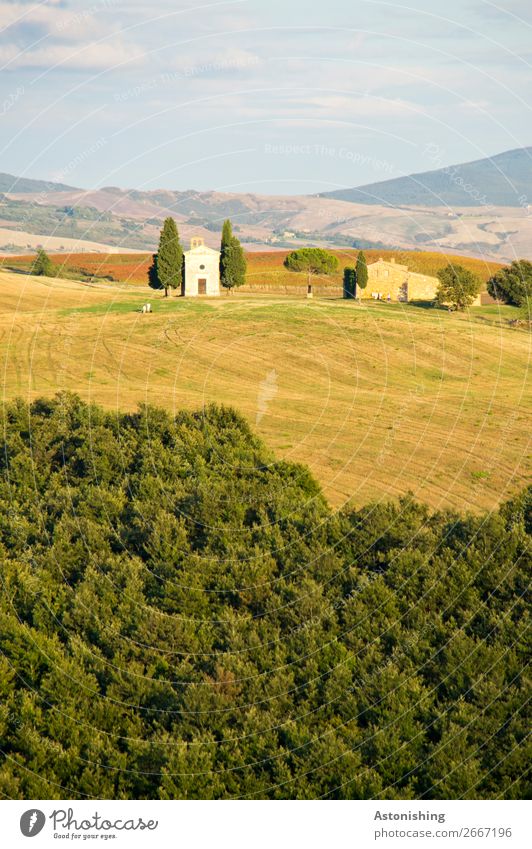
column 267, row 96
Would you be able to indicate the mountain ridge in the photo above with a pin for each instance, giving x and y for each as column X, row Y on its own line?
column 501, row 180
column 25, row 185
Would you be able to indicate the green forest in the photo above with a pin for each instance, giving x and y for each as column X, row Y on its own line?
column 184, row 616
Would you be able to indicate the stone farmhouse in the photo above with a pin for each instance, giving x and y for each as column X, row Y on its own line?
column 201, row 270
column 389, row 280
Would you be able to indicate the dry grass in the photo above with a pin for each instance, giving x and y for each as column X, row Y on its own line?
column 377, row 399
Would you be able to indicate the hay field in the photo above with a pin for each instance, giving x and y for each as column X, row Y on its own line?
column 378, row 399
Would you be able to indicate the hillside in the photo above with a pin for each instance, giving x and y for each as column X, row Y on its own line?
column 24, row 185
column 378, row 400
column 183, row 616
column 62, row 246
column 502, row 180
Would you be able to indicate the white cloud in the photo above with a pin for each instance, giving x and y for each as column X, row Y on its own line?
column 347, row 106
column 343, row 70
column 45, row 15
column 94, row 57
column 215, row 63
column 52, row 35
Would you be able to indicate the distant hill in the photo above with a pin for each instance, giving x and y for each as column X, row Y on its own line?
column 502, row 180
column 21, row 185
column 478, row 210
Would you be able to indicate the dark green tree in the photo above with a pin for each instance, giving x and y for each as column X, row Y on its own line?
column 227, row 235
column 153, row 277
column 172, row 629
column 361, row 271
column 311, row 261
column 233, row 265
column 513, row 283
column 169, row 263
column 458, row 287
column 350, row 283
column 42, row 265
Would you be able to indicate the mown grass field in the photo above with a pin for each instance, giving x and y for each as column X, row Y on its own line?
column 264, row 267
column 378, row 399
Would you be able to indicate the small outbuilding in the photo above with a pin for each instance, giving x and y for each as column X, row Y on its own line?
column 202, row 270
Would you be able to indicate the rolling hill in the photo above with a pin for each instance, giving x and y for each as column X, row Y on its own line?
column 378, row 400
column 479, row 209
column 502, row 180
column 23, row 185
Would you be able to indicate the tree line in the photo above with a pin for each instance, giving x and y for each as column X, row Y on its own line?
column 458, row 286
column 183, row 616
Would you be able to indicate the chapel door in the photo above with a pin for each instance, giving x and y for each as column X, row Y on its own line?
column 202, row 286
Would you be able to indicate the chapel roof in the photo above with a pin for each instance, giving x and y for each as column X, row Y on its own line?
column 198, row 246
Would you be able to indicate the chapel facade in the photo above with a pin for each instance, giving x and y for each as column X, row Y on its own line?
column 201, row 270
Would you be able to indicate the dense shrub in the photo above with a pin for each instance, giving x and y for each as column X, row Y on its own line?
column 458, row 287
column 183, row 616
column 513, row 283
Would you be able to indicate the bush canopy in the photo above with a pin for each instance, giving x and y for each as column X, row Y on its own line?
column 183, row 616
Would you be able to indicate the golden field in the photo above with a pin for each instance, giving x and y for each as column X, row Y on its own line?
column 378, row 399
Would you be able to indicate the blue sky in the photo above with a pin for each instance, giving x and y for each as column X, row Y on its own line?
column 270, row 96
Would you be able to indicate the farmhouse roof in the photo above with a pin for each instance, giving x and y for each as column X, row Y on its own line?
column 391, row 263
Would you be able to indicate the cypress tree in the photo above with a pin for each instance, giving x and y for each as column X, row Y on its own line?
column 350, row 283
column 169, row 264
column 361, row 271
column 153, row 277
column 233, row 265
column 227, row 235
